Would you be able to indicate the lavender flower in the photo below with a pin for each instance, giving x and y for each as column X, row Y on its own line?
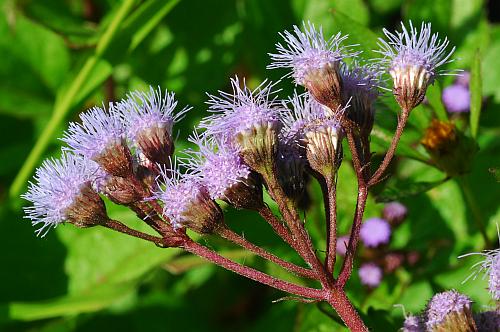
column 314, row 61
column 375, row 232
column 101, row 137
column 249, row 119
column 443, row 304
column 149, row 118
column 413, row 58
column 222, row 171
column 456, row 98
column 60, row 185
column 394, row 213
column 186, row 202
column 241, row 110
column 370, row 274
column 491, row 268
column 413, row 324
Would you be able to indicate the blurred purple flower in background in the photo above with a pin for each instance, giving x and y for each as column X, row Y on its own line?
column 370, row 274
column 374, row 232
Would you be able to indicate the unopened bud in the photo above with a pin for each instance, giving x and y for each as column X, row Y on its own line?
column 246, row 194
column 258, row 145
column 324, row 147
column 122, row 191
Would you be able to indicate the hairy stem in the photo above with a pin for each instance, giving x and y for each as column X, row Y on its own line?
column 229, row 235
column 304, row 244
column 341, row 304
column 331, row 247
column 278, row 227
column 392, row 148
column 122, row 228
column 306, row 292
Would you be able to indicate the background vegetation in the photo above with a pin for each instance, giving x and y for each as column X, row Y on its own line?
column 58, row 58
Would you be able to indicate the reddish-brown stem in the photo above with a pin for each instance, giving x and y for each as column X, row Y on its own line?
column 278, row 227
column 331, row 248
column 229, row 235
column 122, row 228
column 304, row 244
column 392, row 148
column 199, row 250
column 339, row 301
column 345, row 272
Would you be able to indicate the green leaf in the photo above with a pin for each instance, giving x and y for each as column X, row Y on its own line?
column 383, row 138
column 476, row 95
column 406, row 189
column 358, row 33
column 434, row 97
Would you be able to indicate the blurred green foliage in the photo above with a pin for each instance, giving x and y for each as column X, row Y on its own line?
column 60, row 57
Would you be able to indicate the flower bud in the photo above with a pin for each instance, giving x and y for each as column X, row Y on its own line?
column 325, row 85
column 121, row 191
column 246, row 194
column 258, row 145
column 323, row 142
column 449, row 149
column 87, row 209
column 394, row 213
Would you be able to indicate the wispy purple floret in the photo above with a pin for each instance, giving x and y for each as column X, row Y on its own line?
column 413, row 48
column 298, row 113
column 413, row 324
column 241, row 110
column 57, row 183
column 442, row 304
column 177, row 192
column 98, row 130
column 375, row 232
column 370, row 274
column 362, row 78
column 144, row 110
column 456, row 98
column 490, row 266
column 218, row 164
column 308, row 51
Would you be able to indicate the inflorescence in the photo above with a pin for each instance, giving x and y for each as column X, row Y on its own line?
column 252, row 139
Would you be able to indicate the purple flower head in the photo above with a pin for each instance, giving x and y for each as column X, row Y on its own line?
column 375, row 232
column 142, row 111
column 413, row 324
column 58, row 183
column 342, row 243
column 218, row 164
column 413, row 49
column 394, row 212
column 442, row 304
column 299, row 112
column 362, row 79
column 456, row 98
column 97, row 131
column 308, row 51
column 241, row 110
column 186, row 201
column 370, row 274
column 490, row 266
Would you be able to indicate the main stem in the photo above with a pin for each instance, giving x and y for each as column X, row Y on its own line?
column 341, row 304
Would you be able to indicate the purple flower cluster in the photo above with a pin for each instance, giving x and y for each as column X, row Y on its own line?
column 375, row 232
column 370, row 274
column 456, row 97
column 98, row 156
column 56, row 187
column 442, row 304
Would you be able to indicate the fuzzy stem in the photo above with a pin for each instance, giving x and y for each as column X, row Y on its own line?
column 280, row 229
column 346, row 270
column 392, row 149
column 122, row 228
column 229, row 235
column 251, row 273
column 306, row 249
column 331, row 249
column 341, row 304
